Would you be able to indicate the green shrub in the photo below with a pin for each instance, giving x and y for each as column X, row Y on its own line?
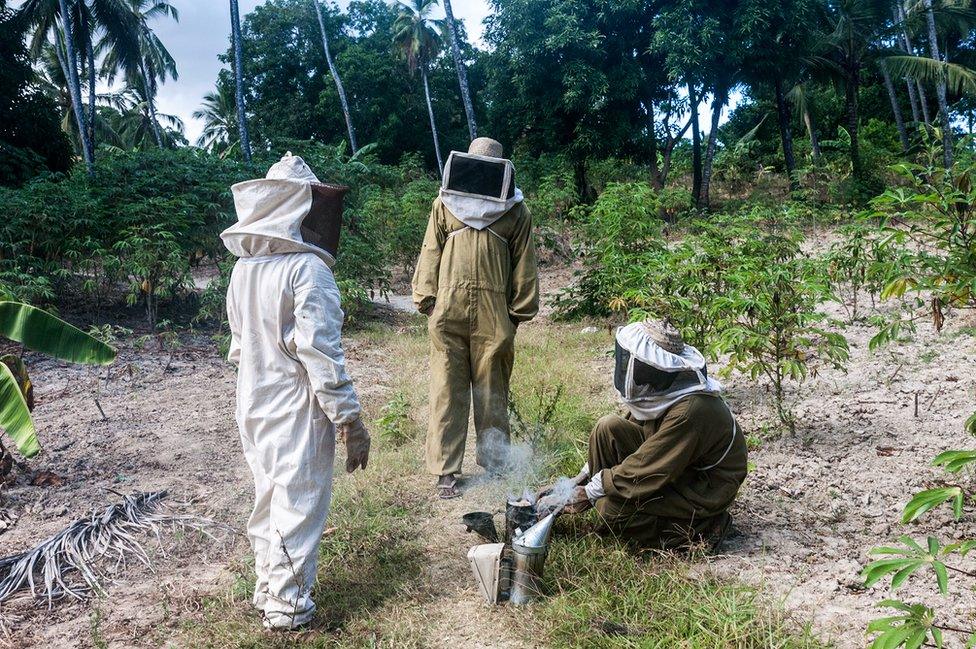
column 617, row 234
column 930, row 230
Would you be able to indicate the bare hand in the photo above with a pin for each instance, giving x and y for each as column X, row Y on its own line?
column 578, row 503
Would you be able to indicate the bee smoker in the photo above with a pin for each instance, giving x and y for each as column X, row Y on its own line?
column 519, row 516
column 528, row 559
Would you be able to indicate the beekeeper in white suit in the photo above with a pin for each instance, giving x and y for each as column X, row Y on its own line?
column 292, row 388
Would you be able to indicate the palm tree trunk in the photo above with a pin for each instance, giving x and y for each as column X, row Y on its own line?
column 718, row 103
column 910, row 50
column 462, row 71
column 696, row 157
column 786, row 133
column 895, row 108
column 810, row 123
column 851, row 109
column 74, row 85
column 338, row 82
column 235, row 28
column 940, row 88
column 913, row 100
column 90, row 56
column 433, row 124
column 150, row 105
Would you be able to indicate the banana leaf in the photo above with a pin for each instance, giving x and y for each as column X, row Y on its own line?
column 45, row 333
column 15, row 417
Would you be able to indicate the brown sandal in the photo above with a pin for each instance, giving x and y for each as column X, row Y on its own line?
column 447, row 487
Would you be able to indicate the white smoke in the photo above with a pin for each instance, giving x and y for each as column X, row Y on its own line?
column 522, row 470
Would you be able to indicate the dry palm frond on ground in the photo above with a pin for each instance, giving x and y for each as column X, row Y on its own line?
column 66, row 564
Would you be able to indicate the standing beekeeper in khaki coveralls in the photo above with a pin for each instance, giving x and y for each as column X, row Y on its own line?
column 666, row 475
column 476, row 279
column 292, row 387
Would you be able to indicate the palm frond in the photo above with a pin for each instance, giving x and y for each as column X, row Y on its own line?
column 67, row 563
column 958, row 78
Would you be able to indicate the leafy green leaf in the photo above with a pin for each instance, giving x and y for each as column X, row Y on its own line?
column 15, row 417
column 45, row 333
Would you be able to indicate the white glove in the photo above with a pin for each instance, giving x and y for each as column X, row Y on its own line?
column 357, row 444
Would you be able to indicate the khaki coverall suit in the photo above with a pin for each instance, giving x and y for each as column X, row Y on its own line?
column 657, row 493
column 476, row 285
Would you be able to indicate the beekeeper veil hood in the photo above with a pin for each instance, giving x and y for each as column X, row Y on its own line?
column 654, row 369
column 289, row 210
column 479, row 186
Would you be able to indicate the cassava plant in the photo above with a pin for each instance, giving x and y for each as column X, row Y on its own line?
column 156, row 266
column 860, row 265
column 930, row 224
column 915, row 625
column 776, row 330
column 617, row 234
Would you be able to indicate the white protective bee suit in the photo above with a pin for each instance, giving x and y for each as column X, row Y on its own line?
column 292, row 387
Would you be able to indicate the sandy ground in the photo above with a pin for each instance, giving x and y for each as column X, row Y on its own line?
column 809, row 512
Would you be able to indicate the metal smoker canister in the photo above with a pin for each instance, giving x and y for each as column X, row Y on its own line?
column 529, row 557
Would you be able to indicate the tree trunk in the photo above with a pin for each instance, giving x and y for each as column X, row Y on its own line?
column 913, row 100
column 150, row 105
column 940, row 88
column 652, row 147
column 810, row 123
column 910, row 50
column 335, row 77
column 433, row 124
column 462, row 71
column 74, row 85
column 718, row 103
column 696, row 157
column 235, row 29
column 851, row 109
column 90, row 56
column 786, row 133
column 895, row 108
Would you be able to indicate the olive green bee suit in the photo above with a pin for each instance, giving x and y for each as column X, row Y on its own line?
column 476, row 285
column 656, row 491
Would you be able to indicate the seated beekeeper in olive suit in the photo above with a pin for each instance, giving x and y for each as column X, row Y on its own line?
column 476, row 279
column 666, row 475
column 292, row 388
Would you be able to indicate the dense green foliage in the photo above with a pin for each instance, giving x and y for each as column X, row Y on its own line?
column 31, row 140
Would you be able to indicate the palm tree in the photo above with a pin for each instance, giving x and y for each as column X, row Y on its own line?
column 57, row 17
column 940, row 87
column 854, row 27
column 417, row 37
column 462, row 71
column 235, row 31
column 138, row 125
column 219, row 115
column 150, row 64
column 335, row 77
column 50, row 77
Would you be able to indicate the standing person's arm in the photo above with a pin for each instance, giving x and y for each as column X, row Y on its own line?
column 523, row 303
column 429, row 264
column 234, row 321
column 318, row 332
column 318, row 343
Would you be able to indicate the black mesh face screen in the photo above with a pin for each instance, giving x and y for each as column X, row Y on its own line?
column 649, row 379
column 481, row 177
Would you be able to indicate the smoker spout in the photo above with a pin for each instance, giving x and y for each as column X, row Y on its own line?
column 535, row 540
